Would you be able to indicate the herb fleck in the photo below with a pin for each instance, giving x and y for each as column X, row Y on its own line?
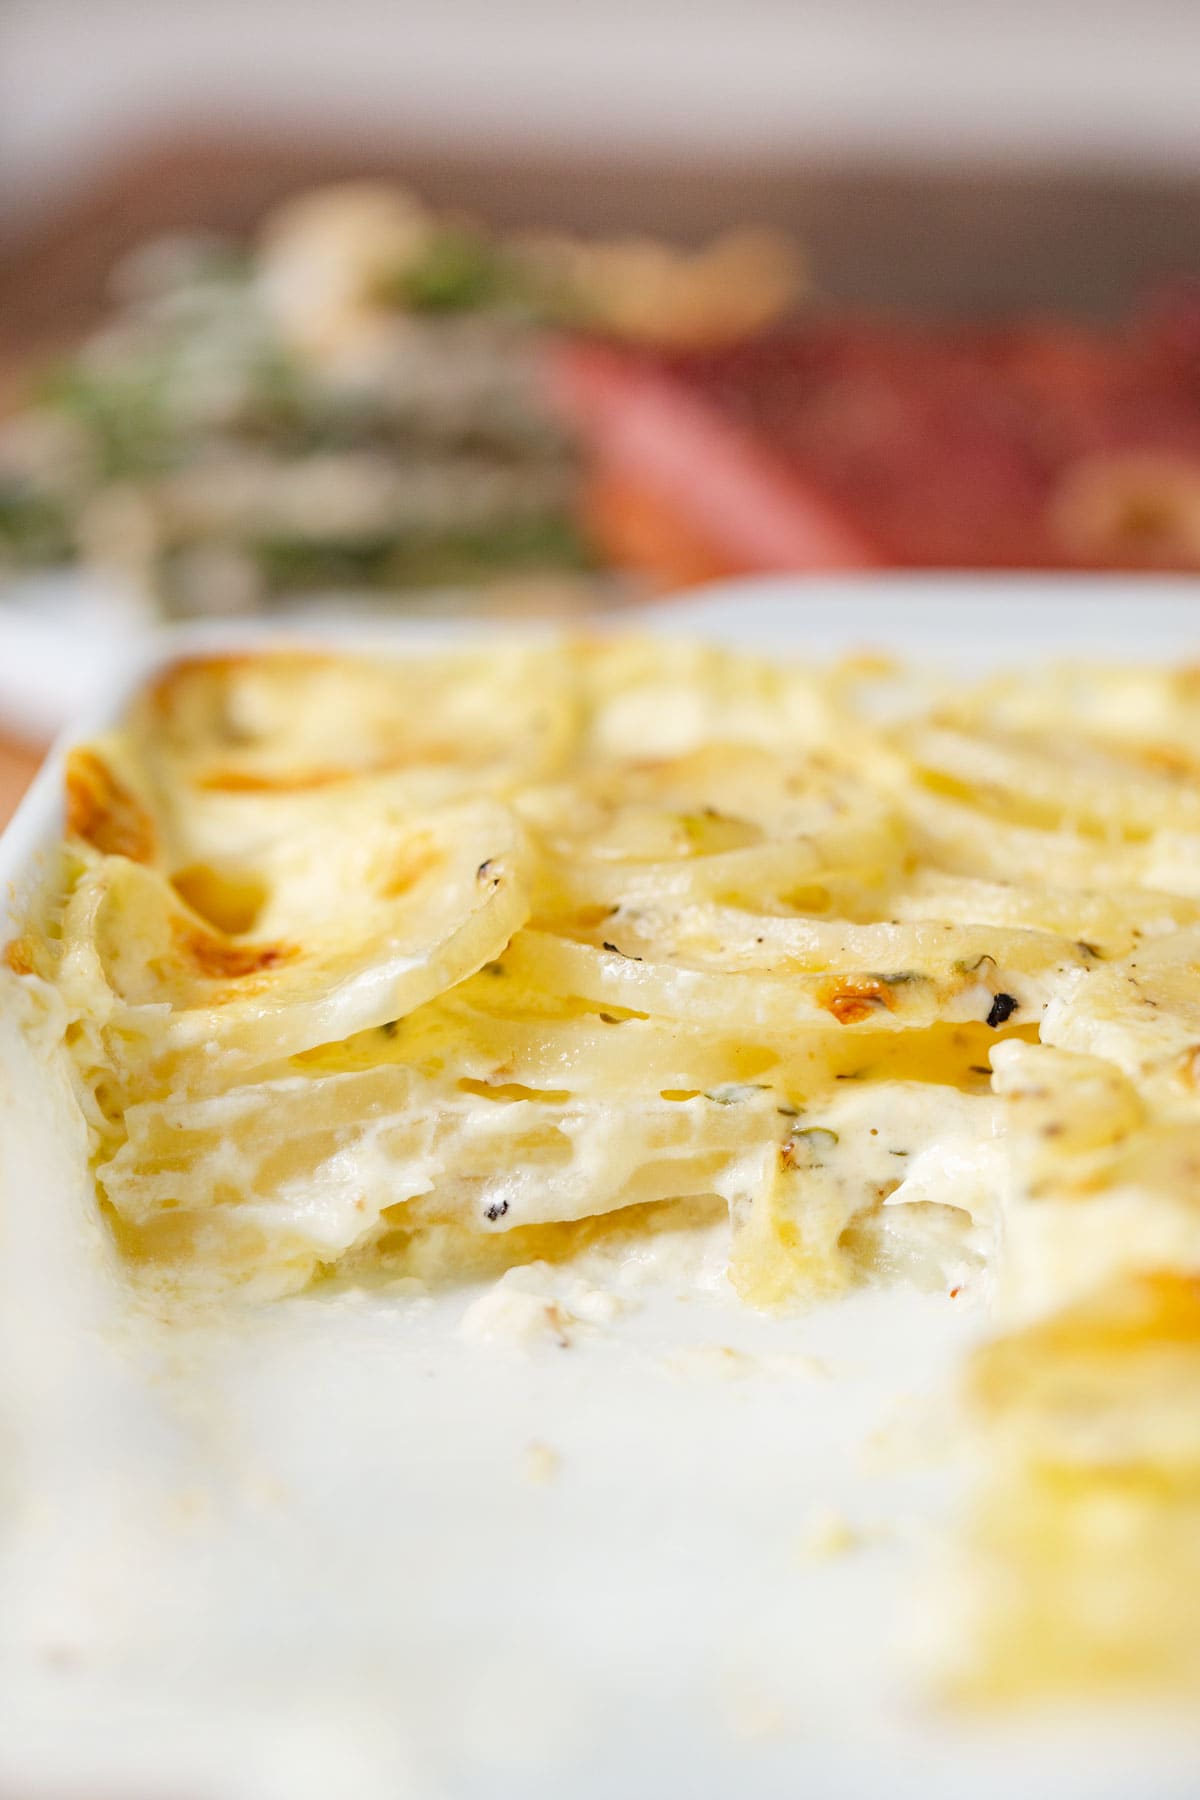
column 807, row 1149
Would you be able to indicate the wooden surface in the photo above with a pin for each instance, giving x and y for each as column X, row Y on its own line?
column 18, row 766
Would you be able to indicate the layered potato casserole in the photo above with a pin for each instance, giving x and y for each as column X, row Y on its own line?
column 444, row 963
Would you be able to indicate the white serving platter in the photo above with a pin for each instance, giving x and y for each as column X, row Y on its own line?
column 352, row 1545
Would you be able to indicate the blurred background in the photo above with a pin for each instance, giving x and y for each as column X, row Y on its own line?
column 537, row 308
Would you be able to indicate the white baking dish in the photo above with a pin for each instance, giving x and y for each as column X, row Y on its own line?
column 344, row 1547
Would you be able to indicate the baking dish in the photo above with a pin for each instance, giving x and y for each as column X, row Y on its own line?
column 361, row 1542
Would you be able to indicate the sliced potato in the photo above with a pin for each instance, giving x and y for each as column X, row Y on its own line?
column 356, row 930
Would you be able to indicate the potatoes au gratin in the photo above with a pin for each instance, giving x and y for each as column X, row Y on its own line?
column 471, row 958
